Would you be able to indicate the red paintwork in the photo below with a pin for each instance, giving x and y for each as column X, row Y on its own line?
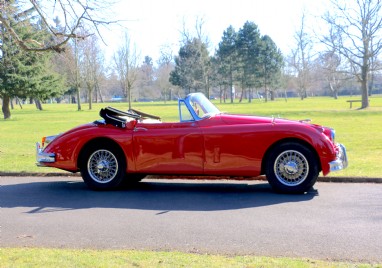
column 223, row 144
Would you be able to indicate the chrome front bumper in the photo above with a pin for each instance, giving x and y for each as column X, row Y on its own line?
column 341, row 161
column 42, row 157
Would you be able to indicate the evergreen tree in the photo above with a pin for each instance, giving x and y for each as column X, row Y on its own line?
column 248, row 45
column 24, row 74
column 270, row 64
column 192, row 67
column 227, row 59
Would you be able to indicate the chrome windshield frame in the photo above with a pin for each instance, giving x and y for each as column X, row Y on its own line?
column 197, row 100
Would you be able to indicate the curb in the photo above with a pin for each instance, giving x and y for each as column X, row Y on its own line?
column 350, row 179
column 320, row 179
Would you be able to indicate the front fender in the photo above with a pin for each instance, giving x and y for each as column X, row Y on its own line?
column 324, row 148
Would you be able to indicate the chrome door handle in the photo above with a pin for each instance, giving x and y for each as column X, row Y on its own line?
column 140, row 129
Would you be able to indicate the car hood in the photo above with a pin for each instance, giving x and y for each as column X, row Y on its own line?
column 230, row 119
column 249, row 119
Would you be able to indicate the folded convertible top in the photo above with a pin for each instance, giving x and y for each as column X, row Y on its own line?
column 119, row 118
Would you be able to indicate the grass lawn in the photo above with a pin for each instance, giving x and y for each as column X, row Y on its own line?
column 34, row 257
column 359, row 130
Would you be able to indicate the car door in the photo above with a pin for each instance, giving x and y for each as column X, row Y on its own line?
column 231, row 150
column 168, row 148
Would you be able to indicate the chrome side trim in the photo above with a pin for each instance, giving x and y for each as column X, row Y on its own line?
column 341, row 161
column 42, row 157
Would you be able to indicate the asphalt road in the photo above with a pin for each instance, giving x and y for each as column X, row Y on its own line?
column 336, row 221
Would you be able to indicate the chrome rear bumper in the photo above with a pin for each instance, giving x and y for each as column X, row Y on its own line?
column 341, row 161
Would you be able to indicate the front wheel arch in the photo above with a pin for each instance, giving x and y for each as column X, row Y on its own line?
column 290, row 140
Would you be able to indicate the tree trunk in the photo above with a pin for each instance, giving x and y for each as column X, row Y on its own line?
column 231, row 84
column 99, row 92
column 38, row 104
column 129, row 96
column 5, row 107
column 241, row 94
column 365, row 95
column 19, row 102
column 266, row 94
column 364, row 86
column 272, row 95
column 302, row 93
column 78, row 99
column 90, row 97
column 371, row 84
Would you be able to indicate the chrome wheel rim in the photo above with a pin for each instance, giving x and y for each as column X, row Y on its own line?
column 102, row 166
column 291, row 168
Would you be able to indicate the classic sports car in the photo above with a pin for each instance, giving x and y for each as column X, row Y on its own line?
column 127, row 146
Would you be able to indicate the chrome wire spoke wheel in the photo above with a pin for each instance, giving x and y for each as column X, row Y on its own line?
column 291, row 168
column 102, row 166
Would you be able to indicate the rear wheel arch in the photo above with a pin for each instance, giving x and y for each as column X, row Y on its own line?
column 95, row 143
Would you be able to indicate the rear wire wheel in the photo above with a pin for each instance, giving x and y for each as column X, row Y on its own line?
column 292, row 168
column 103, row 167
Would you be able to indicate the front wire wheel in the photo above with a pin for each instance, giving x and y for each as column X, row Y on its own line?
column 104, row 167
column 292, row 168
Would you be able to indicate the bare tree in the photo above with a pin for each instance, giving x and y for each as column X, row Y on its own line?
column 67, row 64
column 126, row 61
column 375, row 68
column 330, row 70
column 301, row 58
column 75, row 13
column 165, row 66
column 355, row 30
column 198, row 32
column 91, row 66
column 77, row 81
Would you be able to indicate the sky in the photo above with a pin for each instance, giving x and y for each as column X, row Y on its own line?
column 153, row 23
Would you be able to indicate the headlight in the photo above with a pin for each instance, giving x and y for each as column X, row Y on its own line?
column 46, row 140
column 329, row 133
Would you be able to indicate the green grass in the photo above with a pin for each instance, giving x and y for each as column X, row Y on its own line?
column 359, row 130
column 34, row 257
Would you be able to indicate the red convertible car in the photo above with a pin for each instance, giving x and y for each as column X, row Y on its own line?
column 127, row 146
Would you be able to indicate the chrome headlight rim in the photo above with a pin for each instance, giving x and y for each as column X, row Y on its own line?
column 332, row 134
column 49, row 139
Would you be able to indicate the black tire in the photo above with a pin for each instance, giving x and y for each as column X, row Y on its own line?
column 103, row 167
column 292, row 168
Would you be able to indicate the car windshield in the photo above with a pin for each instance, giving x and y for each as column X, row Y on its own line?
column 201, row 105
